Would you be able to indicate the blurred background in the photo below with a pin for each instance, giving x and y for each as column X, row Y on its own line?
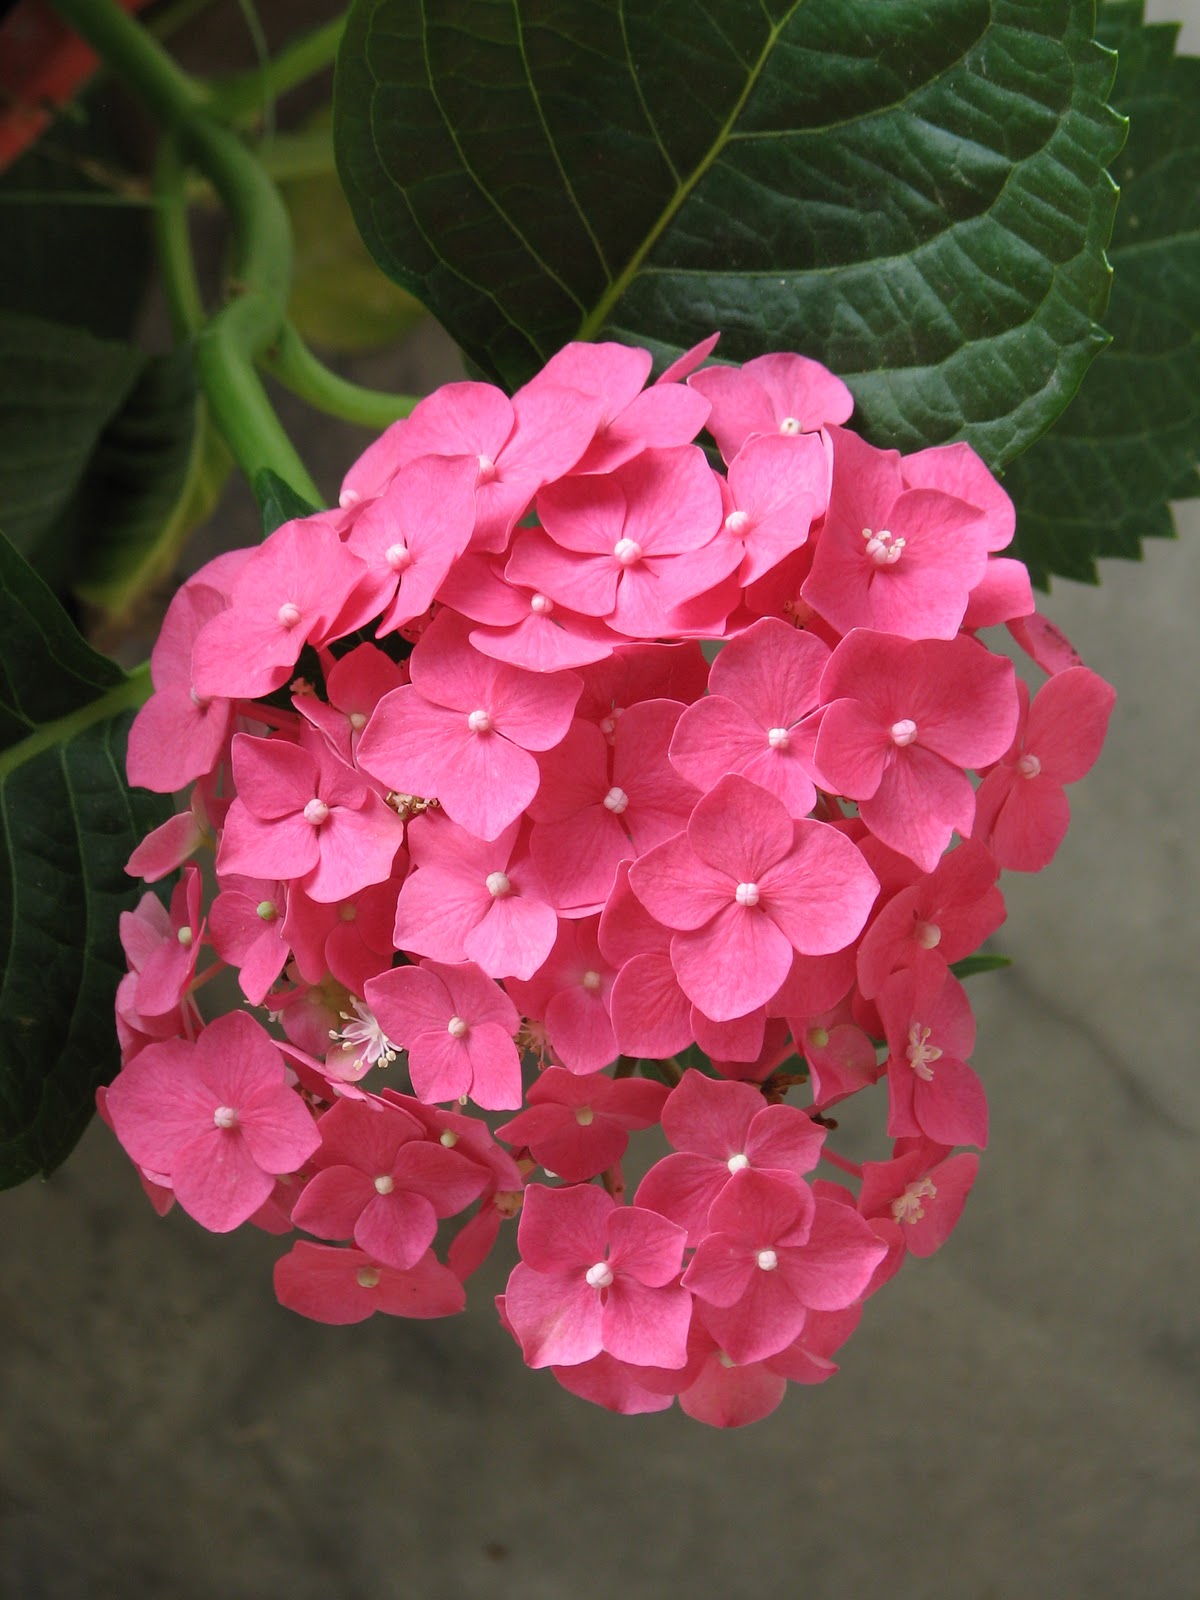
column 1015, row 1420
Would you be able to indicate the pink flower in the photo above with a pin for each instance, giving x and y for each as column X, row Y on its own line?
column 596, row 1276
column 217, row 1118
column 576, row 1128
column 463, row 730
column 778, row 393
column 458, row 1028
column 1021, row 809
column 339, row 1286
column 776, row 490
column 930, row 1032
column 746, row 886
column 178, row 735
column 570, row 994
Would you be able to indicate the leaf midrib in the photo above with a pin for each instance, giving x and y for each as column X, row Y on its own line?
column 133, row 691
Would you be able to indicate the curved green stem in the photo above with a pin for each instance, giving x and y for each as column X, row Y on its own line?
column 242, row 97
column 298, row 369
column 225, row 347
column 134, row 690
column 174, row 242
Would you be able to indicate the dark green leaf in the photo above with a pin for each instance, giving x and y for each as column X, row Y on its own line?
column 970, row 965
column 69, row 823
column 1099, row 482
column 156, row 473
column 65, row 202
column 278, row 501
column 59, row 389
column 912, row 192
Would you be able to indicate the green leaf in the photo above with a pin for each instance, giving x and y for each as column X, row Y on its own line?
column 69, row 823
column 1099, row 482
column 59, row 389
column 970, row 965
column 66, row 201
column 278, row 501
column 913, row 192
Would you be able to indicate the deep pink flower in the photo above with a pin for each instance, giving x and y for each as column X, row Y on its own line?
column 922, row 1191
column 576, row 1128
column 746, row 886
column 570, row 995
column 217, row 1118
column 776, row 490
column 339, row 1286
column 596, row 1276
column 178, row 735
column 777, row 393
column 930, row 1032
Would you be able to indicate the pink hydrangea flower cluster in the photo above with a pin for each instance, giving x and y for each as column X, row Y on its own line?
column 493, row 833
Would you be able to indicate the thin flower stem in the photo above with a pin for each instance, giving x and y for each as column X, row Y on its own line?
column 241, row 98
column 840, row 1162
column 174, row 242
column 226, row 347
column 298, row 369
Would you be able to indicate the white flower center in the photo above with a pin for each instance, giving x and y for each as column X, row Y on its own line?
column 316, row 812
column 767, row 1260
column 185, row 937
column 367, row 1277
column 591, row 981
column 398, row 556
column 737, row 523
column 457, row 1028
column 384, row 1183
column 928, row 935
column 225, row 1117
column 883, row 547
column 921, row 1053
column 585, row 1116
column 348, row 498
column 448, row 1139
column 479, row 722
column 267, row 910
column 498, row 885
column 907, row 1207
column 903, row 732
column 739, row 1162
column 627, row 551
column 487, row 470
column 200, row 701
column 288, row 615
column 1029, row 766
column 615, row 801
column 746, row 894
column 600, row 1276
column 357, row 720
column 778, row 738
column 817, row 1038
column 541, row 605
column 789, row 427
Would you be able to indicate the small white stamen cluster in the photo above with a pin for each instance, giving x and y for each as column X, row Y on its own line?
column 921, row 1054
column 907, row 1207
column 883, row 547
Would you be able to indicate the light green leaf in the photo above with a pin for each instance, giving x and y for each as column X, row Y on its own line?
column 913, row 192
column 1098, row 483
column 68, row 822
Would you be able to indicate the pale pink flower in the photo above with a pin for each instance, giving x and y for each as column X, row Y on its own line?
column 777, row 393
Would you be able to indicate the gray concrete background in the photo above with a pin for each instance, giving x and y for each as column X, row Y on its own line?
column 1015, row 1420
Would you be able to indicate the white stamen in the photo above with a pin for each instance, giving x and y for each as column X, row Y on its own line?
column 1029, row 766
column 789, row 427
column 600, row 1276
column 365, row 1036
column 348, row 498
column 928, row 935
column 288, row 615
column 739, row 1162
column 818, row 1038
column 398, row 556
column 903, row 732
column 585, row 1116
column 200, row 701
column 487, row 469
column 883, row 547
column 921, row 1054
column 357, row 720
column 591, row 981
column 615, row 801
column 498, row 885
column 627, row 551
column 448, row 1139
column 778, row 738
column 479, row 722
column 267, row 910
column 457, row 1028
column 384, row 1183
column 316, row 812
column 725, row 1360
column 185, row 937
column 225, row 1117
column 541, row 605
column 367, row 1277
column 907, row 1207
column 737, row 523
column 767, row 1260
column 746, row 894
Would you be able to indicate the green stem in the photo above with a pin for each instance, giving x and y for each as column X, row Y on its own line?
column 134, row 691
column 298, row 369
column 174, row 242
column 226, row 347
column 242, row 97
